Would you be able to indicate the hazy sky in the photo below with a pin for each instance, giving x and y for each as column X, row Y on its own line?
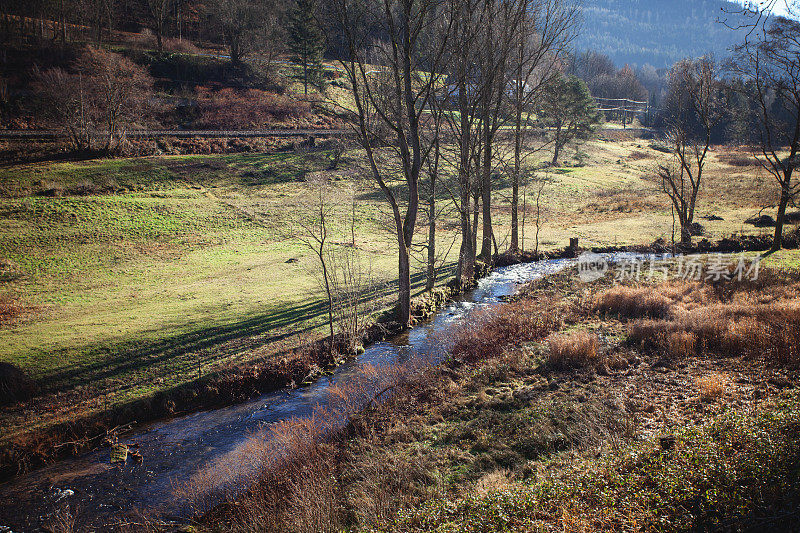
column 780, row 5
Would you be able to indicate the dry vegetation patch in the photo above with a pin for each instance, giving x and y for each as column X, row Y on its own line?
column 573, row 350
column 633, row 302
column 498, row 419
column 712, row 386
column 489, row 333
column 680, row 319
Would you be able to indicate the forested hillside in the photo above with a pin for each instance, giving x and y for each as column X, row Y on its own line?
column 656, row 32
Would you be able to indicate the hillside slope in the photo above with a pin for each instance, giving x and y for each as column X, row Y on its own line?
column 656, row 32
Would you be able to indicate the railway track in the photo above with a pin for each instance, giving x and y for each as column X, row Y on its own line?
column 54, row 134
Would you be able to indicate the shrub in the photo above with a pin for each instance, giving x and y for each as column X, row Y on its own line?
column 573, row 350
column 712, row 386
column 632, row 302
column 489, row 333
column 243, row 109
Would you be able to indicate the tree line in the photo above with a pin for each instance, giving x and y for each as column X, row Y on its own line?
column 465, row 70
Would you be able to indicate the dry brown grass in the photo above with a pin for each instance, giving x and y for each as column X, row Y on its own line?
column 681, row 344
column 489, row 333
column 758, row 320
column 247, row 108
column 633, row 302
column 614, row 202
column 573, row 350
column 738, row 159
column 146, row 39
column 285, row 477
column 712, row 386
column 495, row 481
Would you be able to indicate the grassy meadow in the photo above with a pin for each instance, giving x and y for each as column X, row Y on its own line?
column 125, row 277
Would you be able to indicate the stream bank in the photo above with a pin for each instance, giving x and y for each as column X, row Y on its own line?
column 173, row 450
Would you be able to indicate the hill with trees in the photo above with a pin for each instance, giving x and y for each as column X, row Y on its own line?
column 659, row 33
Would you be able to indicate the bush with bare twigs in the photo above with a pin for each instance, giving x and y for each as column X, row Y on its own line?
column 490, row 332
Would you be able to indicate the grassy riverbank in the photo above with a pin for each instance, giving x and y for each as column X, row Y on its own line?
column 127, row 278
column 556, row 414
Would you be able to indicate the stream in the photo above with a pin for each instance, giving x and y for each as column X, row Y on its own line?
column 100, row 494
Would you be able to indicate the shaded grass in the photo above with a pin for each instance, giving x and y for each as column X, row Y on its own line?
column 736, row 472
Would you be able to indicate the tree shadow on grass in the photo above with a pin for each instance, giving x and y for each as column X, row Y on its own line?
column 182, row 352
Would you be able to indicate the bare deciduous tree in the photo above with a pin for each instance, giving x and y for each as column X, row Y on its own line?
column 393, row 94
column 769, row 60
column 548, row 27
column 247, row 26
column 313, row 226
column 159, row 11
column 119, row 86
column 693, row 106
column 106, row 93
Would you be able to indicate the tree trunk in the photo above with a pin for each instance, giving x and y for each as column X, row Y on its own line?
column 466, row 257
column 557, row 146
column 404, row 285
column 329, row 294
column 515, row 181
column 63, row 19
column 686, row 236
column 431, row 278
column 777, row 241
column 686, row 229
column 235, row 57
column 476, row 202
column 486, row 197
column 305, row 76
column 514, row 247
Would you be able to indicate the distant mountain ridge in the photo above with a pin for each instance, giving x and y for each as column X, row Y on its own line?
column 658, row 32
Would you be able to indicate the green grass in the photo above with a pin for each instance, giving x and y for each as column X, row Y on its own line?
column 740, row 471
column 183, row 261
column 138, row 269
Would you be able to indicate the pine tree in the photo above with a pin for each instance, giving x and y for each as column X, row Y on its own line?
column 307, row 41
column 568, row 110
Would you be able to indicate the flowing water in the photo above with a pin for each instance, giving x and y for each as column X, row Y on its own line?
column 99, row 493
